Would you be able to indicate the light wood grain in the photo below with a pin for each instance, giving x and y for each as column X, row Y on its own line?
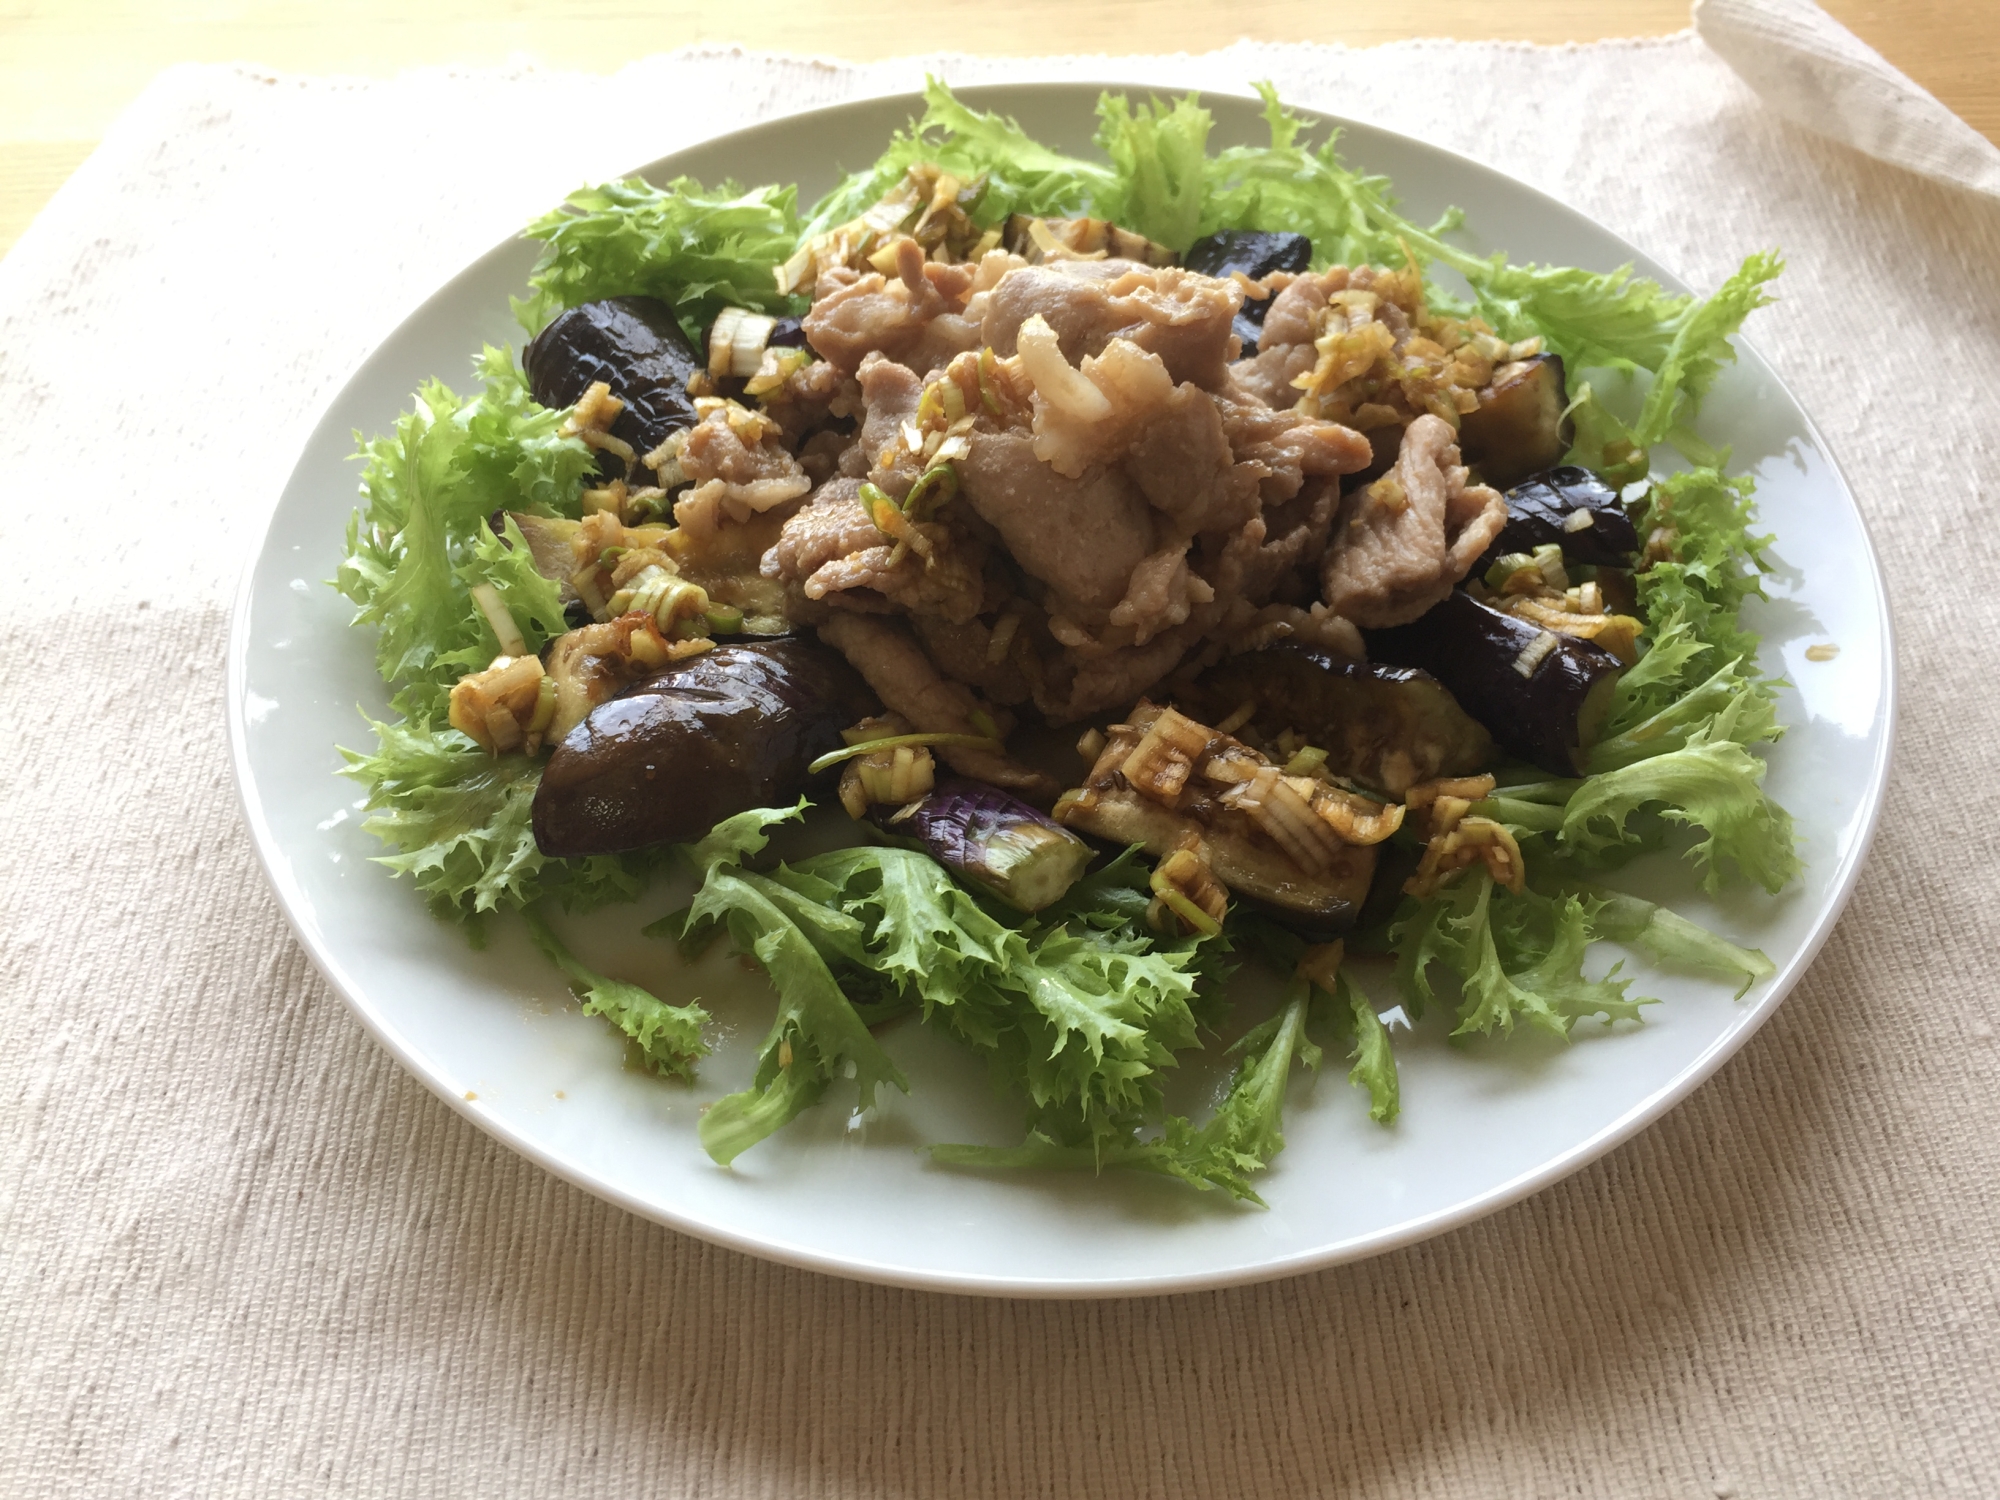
column 66, row 69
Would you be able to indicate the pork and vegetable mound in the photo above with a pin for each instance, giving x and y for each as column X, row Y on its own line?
column 1340, row 589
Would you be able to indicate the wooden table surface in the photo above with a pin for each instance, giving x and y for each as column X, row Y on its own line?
column 68, row 66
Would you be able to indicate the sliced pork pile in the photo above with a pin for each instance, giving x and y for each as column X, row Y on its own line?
column 1096, row 500
column 1050, row 472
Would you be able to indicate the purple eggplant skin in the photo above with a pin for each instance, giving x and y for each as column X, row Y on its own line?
column 993, row 840
column 1256, row 253
column 1539, row 511
column 636, row 346
column 1548, row 717
column 1520, row 426
column 667, row 759
column 1387, row 727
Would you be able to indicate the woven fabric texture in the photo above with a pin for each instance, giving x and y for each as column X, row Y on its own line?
column 242, row 1253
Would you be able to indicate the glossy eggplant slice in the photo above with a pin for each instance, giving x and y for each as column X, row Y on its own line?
column 634, row 345
column 1161, row 777
column 1387, row 727
column 1572, row 508
column 1543, row 696
column 993, row 840
column 1519, row 427
column 1249, row 864
column 668, row 758
column 1256, row 254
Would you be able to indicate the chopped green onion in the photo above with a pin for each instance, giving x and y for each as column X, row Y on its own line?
column 1177, row 902
column 983, row 722
column 1539, row 816
column 987, row 364
column 867, row 747
column 1503, row 570
column 499, row 620
column 918, row 504
column 545, row 706
column 1306, row 762
column 1549, row 559
column 725, row 619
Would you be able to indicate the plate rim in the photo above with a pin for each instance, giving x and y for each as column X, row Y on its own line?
column 1643, row 1112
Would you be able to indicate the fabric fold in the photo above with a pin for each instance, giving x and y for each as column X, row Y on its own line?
column 1817, row 73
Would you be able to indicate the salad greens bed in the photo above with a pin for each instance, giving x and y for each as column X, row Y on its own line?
column 1081, row 1008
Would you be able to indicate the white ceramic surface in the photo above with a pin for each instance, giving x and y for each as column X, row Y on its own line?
column 1482, row 1125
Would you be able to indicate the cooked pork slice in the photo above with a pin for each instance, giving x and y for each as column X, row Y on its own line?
column 979, row 655
column 1403, row 542
column 889, row 395
column 811, row 395
column 1285, row 348
column 1284, row 543
column 1082, row 537
column 1161, row 594
column 1090, row 683
column 938, row 573
column 832, row 525
column 916, row 319
column 1122, row 407
column 1184, row 463
column 884, row 652
column 715, row 448
column 1183, row 317
column 1290, row 447
column 739, row 467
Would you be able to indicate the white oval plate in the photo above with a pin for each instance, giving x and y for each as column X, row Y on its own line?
column 496, row 1034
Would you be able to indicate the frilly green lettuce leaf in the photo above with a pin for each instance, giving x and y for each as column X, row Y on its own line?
column 421, row 537
column 1713, row 784
column 817, row 1036
column 698, row 249
column 1670, row 937
column 1160, row 155
column 1374, row 1059
column 1517, row 958
column 1701, row 347
column 667, row 1037
column 1225, row 1151
column 460, row 823
column 1022, row 175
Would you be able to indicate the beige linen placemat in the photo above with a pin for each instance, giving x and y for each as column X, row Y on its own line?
column 241, row 1253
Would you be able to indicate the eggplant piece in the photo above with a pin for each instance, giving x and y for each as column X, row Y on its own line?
column 992, row 840
column 1545, row 509
column 1248, row 863
column 669, row 757
column 1256, row 254
column 636, row 346
column 1387, row 727
column 1161, row 776
column 1543, row 696
column 548, row 539
column 1519, row 428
